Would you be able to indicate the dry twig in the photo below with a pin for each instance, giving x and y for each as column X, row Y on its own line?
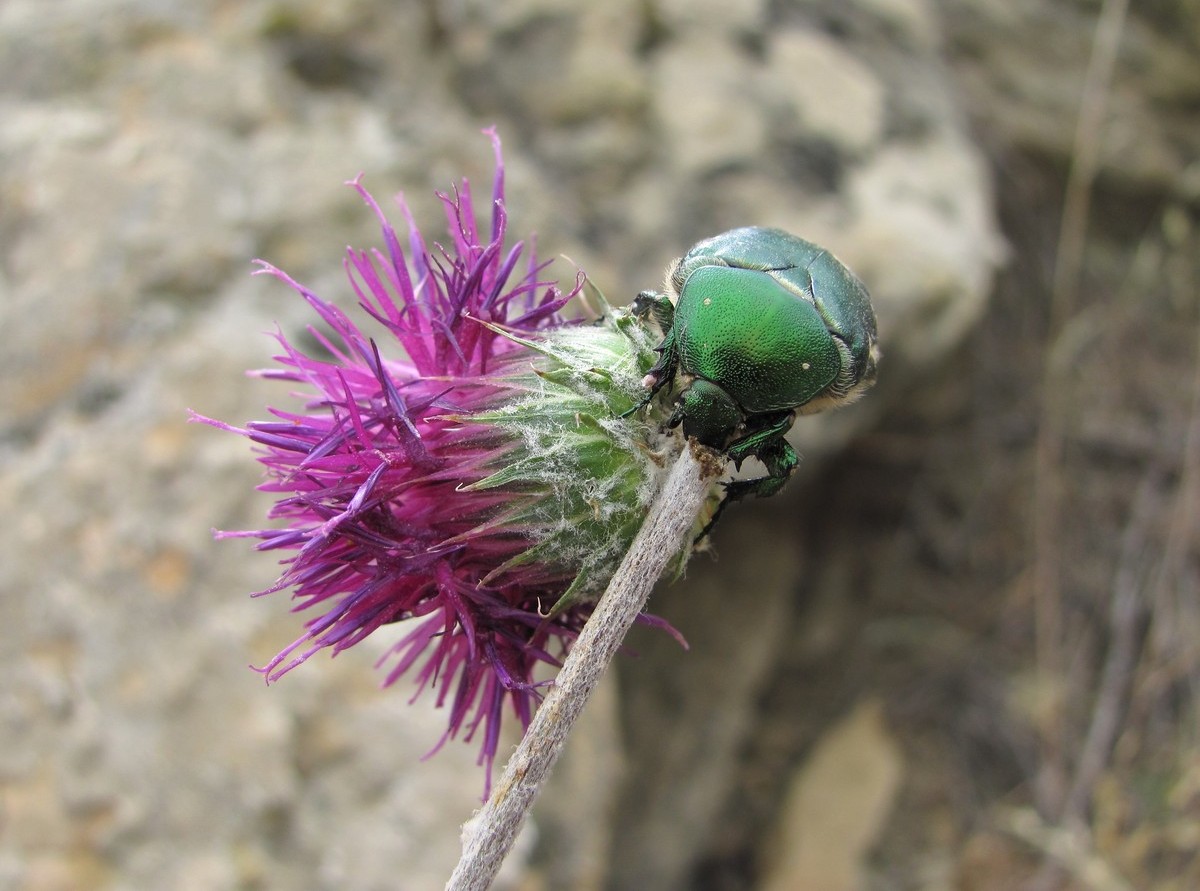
column 1046, row 511
column 489, row 836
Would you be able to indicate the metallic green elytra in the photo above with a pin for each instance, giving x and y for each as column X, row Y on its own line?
column 758, row 326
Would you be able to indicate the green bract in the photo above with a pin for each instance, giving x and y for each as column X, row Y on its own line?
column 593, row 475
column 758, row 325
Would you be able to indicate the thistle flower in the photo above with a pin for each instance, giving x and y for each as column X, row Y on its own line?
column 464, row 470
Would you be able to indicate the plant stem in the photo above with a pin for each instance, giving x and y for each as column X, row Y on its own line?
column 489, row 836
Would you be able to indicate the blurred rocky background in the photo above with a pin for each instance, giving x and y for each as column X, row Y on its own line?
column 961, row 651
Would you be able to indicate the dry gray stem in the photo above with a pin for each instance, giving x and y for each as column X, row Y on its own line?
column 490, row 835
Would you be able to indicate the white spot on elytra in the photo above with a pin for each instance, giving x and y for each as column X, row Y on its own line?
column 806, row 366
column 708, row 301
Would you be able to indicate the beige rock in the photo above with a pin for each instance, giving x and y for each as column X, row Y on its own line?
column 835, row 806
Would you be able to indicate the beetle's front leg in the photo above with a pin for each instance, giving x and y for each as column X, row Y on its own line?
column 763, row 442
column 659, row 308
column 775, row 452
column 781, row 461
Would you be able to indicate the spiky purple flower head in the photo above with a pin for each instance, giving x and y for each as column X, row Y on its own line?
column 465, row 469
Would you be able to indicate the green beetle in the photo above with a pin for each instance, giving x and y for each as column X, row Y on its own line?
column 758, row 326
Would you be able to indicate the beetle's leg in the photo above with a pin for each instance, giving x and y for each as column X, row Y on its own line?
column 659, row 376
column 760, row 442
column 781, row 461
column 775, row 452
column 659, row 308
column 664, row 369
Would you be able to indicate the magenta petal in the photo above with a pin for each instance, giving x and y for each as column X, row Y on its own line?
column 371, row 477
